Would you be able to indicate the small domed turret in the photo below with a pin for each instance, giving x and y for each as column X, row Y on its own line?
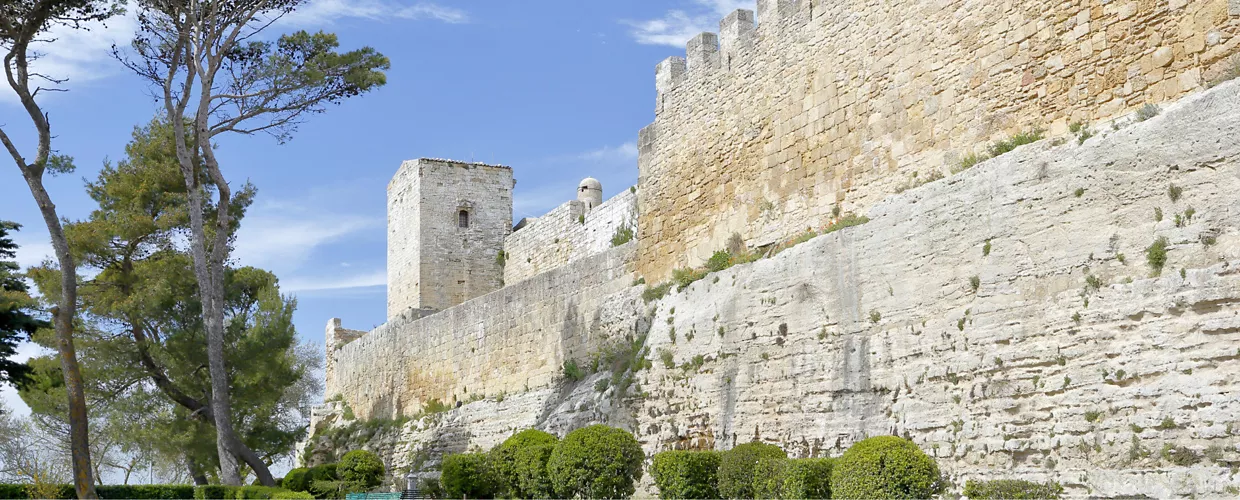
column 590, row 192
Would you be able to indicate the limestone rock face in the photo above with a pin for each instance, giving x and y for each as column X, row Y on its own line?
column 1007, row 319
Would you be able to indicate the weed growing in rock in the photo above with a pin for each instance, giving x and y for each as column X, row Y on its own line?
column 1079, row 192
column 1092, row 283
column 669, row 360
column 986, row 249
column 975, row 282
column 1158, row 215
column 623, row 234
column 651, row 294
column 1121, row 258
column 875, row 316
column 1066, row 382
column 968, row 161
column 1092, row 416
column 1020, row 139
column 572, row 371
column 1174, row 192
column 960, row 324
column 1148, row 111
column 1076, row 317
column 1156, row 255
column 1167, row 424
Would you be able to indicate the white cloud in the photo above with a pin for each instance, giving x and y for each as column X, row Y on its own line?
column 326, row 12
column 81, row 55
column 677, row 26
column 32, row 253
column 626, row 152
column 284, row 241
column 308, row 284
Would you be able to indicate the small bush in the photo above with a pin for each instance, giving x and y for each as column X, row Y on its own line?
column 1147, row 111
column 768, row 477
column 986, row 249
column 737, row 468
column 885, row 467
column 1092, row 416
column 807, row 478
column 324, row 472
column 571, row 372
column 685, row 276
column 297, row 480
column 651, row 294
column 217, row 491
column 1015, row 489
column 975, row 282
column 1174, row 192
column 848, row 220
column 1020, row 139
column 720, row 260
column 875, row 316
column 1156, row 255
column 968, row 161
column 1158, row 215
column 508, row 463
column 686, row 474
column 361, row 468
column 595, row 462
column 467, row 475
column 669, row 359
column 623, row 234
column 1079, row 192
column 531, row 471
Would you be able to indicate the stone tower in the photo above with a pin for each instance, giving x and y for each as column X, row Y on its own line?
column 590, row 193
column 446, row 226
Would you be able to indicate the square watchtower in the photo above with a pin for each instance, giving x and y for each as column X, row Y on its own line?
column 446, row 226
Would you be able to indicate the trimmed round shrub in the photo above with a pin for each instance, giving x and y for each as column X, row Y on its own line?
column 885, row 467
column 595, row 462
column 467, row 475
column 736, row 468
column 807, row 478
column 686, row 474
column 531, row 469
column 325, row 472
column 297, row 480
column 768, row 477
column 361, row 467
column 1011, row 489
column 504, row 463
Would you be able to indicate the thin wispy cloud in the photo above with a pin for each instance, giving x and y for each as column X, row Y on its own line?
column 677, row 26
column 313, row 284
column 284, row 241
column 326, row 12
column 617, row 154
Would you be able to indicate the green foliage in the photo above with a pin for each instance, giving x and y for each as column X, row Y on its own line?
column 571, row 372
column 885, row 467
column 16, row 323
column 515, row 467
column 361, row 468
column 968, row 161
column 1079, row 192
column 847, row 220
column 1002, row 489
column 595, row 462
column 1156, row 255
column 719, row 261
column 986, row 249
column 501, row 258
column 798, row 478
column 1174, row 192
column 1167, row 424
column 1092, row 416
column 667, row 357
column 297, row 480
column 686, row 474
column 685, row 276
column 737, row 468
column 623, row 234
column 651, row 294
column 219, row 491
column 1148, row 111
column 1021, row 138
column 875, row 316
column 975, row 282
column 468, row 475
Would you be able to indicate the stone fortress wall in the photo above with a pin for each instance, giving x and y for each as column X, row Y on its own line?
column 563, row 235
column 762, row 130
column 446, row 225
column 508, row 341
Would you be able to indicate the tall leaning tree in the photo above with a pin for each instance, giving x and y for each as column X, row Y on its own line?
column 23, row 23
column 217, row 71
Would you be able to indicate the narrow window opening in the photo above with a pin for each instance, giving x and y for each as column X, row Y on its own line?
column 462, row 218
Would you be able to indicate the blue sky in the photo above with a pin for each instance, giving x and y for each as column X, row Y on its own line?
column 556, row 89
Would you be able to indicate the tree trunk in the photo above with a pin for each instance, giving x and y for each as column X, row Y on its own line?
column 63, row 314
column 196, row 473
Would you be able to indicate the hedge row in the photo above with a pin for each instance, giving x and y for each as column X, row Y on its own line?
column 162, row 492
column 881, row 467
column 358, row 471
column 592, row 462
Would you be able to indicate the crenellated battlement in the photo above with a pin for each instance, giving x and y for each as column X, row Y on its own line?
column 809, row 107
